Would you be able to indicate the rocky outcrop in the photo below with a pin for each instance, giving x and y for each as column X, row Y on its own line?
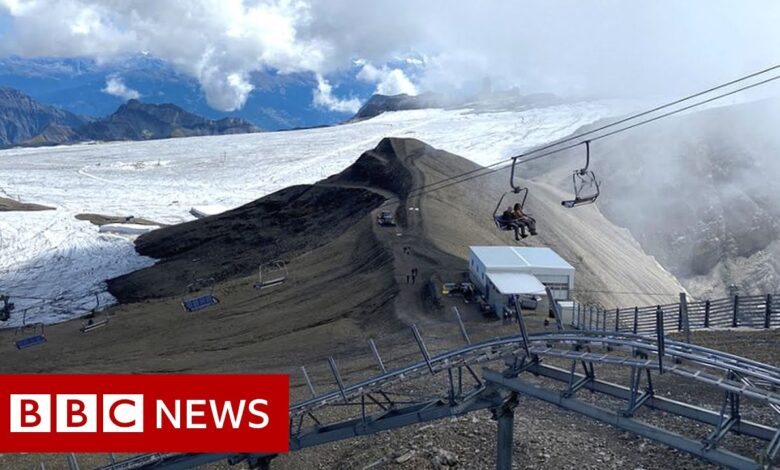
column 379, row 104
column 140, row 121
column 24, row 120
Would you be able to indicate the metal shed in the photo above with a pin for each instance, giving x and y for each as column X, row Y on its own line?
column 503, row 271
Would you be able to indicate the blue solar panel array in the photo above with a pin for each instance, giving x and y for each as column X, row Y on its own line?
column 30, row 342
column 199, row 303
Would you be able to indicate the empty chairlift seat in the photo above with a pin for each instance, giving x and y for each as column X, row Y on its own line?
column 31, row 341
column 199, row 303
column 271, row 274
column 92, row 325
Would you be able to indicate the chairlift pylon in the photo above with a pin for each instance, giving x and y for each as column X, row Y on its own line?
column 586, row 186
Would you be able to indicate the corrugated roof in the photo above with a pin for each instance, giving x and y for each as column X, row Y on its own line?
column 516, row 283
column 519, row 257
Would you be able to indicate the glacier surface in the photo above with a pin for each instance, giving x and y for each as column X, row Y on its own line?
column 54, row 266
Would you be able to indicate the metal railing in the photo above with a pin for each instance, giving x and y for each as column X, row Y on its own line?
column 752, row 311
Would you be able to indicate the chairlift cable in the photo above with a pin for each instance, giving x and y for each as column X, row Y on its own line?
column 528, row 156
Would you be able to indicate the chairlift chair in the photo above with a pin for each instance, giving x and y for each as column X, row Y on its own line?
column 90, row 324
column 586, row 186
column 36, row 339
column 271, row 274
column 385, row 219
column 521, row 194
column 199, row 303
column 502, row 224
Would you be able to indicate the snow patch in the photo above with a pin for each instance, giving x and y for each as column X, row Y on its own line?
column 127, row 229
column 205, row 211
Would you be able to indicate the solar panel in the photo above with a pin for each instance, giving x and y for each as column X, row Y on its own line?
column 30, row 342
column 199, row 303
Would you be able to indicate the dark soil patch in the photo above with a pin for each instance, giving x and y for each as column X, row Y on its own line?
column 99, row 220
column 10, row 205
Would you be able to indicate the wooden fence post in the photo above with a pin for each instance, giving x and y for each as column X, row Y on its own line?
column 617, row 319
column 636, row 319
column 734, row 322
column 707, row 314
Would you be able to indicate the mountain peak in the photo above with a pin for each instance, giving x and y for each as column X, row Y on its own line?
column 136, row 120
column 24, row 121
column 379, row 104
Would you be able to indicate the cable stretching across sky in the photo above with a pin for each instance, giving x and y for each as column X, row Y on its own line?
column 578, row 139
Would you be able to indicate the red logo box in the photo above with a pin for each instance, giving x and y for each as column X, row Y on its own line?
column 144, row 413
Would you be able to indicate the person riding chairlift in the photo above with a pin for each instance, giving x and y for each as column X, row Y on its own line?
column 517, row 220
column 524, row 221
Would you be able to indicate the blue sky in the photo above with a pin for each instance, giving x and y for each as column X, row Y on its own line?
column 5, row 24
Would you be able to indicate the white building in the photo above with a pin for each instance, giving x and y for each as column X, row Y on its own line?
column 503, row 271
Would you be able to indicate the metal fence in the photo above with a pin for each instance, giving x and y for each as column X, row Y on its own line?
column 756, row 311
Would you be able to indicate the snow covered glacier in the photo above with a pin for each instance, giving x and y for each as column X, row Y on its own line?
column 54, row 265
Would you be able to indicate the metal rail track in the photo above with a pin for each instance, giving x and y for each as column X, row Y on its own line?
column 375, row 410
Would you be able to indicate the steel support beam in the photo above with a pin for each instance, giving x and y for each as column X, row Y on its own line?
column 655, row 402
column 396, row 418
column 505, row 416
column 676, row 441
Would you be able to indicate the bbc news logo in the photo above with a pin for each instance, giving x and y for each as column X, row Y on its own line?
column 144, row 413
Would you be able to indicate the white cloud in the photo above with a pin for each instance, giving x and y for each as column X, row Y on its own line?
column 323, row 97
column 116, row 86
column 565, row 46
column 389, row 81
column 219, row 42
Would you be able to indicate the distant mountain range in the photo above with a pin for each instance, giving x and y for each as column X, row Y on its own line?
column 139, row 121
column 25, row 121
column 78, row 85
column 487, row 101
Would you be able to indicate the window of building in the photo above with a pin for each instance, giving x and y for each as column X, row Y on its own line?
column 560, row 291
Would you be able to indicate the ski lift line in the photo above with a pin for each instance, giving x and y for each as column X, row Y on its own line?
column 530, row 155
column 520, row 159
column 657, row 108
column 629, row 118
